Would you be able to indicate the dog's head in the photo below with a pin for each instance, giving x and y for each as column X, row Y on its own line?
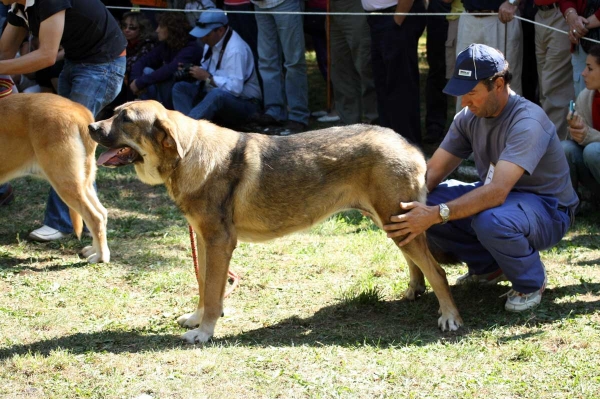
column 139, row 133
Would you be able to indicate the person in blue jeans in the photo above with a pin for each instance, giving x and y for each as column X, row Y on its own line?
column 582, row 147
column 524, row 201
column 225, row 88
column 93, row 73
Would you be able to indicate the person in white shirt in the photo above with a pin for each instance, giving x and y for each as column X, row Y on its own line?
column 224, row 88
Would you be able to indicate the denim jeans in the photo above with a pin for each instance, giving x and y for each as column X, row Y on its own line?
column 578, row 60
column 584, row 164
column 218, row 104
column 160, row 91
column 277, row 34
column 94, row 86
column 508, row 236
column 3, row 188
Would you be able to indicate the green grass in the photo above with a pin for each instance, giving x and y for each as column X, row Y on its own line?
column 318, row 314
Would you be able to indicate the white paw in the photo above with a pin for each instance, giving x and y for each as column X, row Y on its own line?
column 196, row 336
column 449, row 323
column 190, row 320
column 94, row 257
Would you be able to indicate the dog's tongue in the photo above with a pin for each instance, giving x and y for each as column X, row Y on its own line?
column 116, row 157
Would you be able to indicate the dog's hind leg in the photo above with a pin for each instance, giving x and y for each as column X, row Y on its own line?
column 418, row 252
column 96, row 218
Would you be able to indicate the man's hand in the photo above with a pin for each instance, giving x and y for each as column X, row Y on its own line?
column 506, row 12
column 417, row 220
column 577, row 25
column 403, row 6
column 198, row 73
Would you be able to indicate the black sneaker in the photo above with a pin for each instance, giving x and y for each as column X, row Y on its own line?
column 293, row 127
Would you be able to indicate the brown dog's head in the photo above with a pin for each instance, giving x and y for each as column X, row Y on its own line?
column 139, row 133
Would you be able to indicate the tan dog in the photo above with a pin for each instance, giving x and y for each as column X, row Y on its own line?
column 47, row 136
column 244, row 186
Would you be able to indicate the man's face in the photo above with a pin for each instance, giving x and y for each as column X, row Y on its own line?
column 213, row 37
column 481, row 102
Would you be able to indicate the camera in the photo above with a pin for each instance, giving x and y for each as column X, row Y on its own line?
column 183, row 74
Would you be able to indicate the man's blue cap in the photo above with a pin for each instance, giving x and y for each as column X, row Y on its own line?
column 209, row 20
column 473, row 64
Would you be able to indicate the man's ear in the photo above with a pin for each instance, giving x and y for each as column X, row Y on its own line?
column 170, row 139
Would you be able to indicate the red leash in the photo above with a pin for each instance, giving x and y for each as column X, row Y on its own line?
column 235, row 279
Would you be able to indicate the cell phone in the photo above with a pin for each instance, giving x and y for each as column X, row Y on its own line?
column 572, row 108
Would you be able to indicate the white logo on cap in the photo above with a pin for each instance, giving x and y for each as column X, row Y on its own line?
column 464, row 72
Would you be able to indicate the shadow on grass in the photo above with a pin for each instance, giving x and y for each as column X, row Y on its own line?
column 383, row 324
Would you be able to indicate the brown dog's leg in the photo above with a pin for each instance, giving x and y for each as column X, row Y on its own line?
column 219, row 245
column 418, row 252
column 193, row 320
column 416, row 285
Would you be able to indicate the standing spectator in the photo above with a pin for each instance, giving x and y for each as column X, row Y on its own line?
column 581, row 16
column 529, row 75
column 282, row 34
column 583, row 145
column 152, row 75
column 198, row 6
column 244, row 24
column 94, row 49
column 351, row 72
column 436, row 101
column 555, row 72
column 456, row 7
column 225, row 88
column 394, row 58
column 492, row 30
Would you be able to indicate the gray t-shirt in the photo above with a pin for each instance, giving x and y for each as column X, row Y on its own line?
column 522, row 134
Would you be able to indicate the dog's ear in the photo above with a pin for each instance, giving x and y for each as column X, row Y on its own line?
column 170, row 140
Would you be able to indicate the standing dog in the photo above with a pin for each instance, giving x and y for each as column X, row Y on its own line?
column 234, row 186
column 47, row 136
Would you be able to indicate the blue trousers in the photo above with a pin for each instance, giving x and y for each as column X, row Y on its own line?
column 94, row 86
column 584, row 164
column 508, row 237
column 218, row 104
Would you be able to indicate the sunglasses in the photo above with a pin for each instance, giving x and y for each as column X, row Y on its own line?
column 130, row 27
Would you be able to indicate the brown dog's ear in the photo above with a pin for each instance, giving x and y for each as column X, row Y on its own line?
column 170, row 140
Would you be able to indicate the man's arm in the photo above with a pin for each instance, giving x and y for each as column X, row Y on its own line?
column 420, row 216
column 403, row 6
column 11, row 40
column 51, row 31
column 441, row 164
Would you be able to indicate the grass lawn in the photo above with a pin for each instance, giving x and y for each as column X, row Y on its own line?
column 318, row 314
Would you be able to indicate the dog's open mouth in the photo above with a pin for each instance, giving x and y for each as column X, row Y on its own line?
column 117, row 157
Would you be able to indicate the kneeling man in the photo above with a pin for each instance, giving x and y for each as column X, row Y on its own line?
column 524, row 201
column 225, row 87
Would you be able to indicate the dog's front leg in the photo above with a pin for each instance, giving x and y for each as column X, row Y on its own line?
column 192, row 320
column 219, row 247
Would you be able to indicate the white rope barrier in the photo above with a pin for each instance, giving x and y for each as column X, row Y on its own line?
column 419, row 14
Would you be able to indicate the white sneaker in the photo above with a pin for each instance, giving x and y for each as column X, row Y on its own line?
column 329, row 118
column 318, row 114
column 47, row 233
column 518, row 302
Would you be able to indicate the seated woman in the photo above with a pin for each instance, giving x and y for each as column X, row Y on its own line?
column 152, row 74
column 582, row 146
column 140, row 40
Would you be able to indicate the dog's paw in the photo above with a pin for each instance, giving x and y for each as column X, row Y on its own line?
column 190, row 320
column 93, row 257
column 196, row 336
column 414, row 291
column 449, row 323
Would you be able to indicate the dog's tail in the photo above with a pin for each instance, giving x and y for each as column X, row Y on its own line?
column 77, row 222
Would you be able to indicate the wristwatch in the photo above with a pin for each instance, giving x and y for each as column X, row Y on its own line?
column 444, row 213
column 513, row 2
column 208, row 79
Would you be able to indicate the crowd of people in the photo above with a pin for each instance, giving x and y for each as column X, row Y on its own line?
column 239, row 68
